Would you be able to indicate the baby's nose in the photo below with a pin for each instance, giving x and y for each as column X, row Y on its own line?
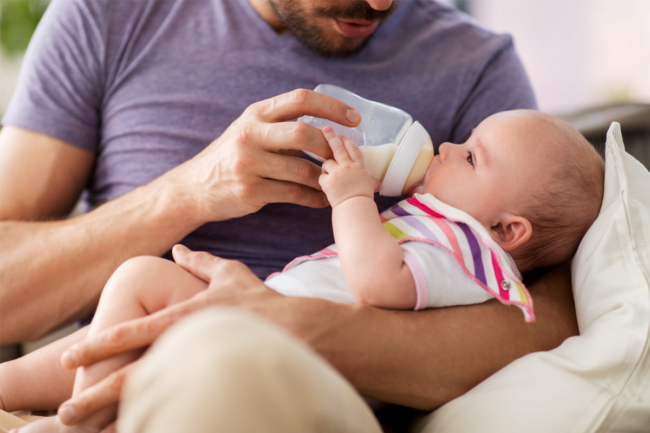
column 443, row 150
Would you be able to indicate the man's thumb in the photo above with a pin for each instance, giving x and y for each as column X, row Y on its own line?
column 199, row 264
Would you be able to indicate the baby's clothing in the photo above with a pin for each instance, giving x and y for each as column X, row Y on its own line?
column 452, row 258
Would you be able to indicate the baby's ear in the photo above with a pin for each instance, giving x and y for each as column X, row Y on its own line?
column 511, row 231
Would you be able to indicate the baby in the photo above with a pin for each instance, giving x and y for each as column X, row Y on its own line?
column 517, row 196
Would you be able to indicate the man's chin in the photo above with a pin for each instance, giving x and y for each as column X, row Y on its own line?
column 345, row 47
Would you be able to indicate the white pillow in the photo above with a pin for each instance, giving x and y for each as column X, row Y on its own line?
column 600, row 380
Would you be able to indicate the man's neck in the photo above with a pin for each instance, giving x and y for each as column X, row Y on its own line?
column 266, row 11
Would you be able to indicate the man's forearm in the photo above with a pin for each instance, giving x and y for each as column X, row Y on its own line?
column 424, row 359
column 52, row 273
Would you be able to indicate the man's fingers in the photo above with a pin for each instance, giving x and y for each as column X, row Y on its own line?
column 134, row 334
column 302, row 102
column 290, row 169
column 94, row 398
column 112, row 428
column 277, row 191
column 200, row 264
column 276, row 137
column 289, row 192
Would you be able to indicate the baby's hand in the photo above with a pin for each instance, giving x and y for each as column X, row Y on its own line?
column 346, row 175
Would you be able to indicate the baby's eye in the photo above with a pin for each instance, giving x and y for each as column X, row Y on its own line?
column 469, row 158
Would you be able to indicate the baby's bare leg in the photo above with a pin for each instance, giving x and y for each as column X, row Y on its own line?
column 37, row 381
column 139, row 287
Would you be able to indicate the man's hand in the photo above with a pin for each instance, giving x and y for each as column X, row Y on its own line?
column 346, row 175
column 248, row 166
column 230, row 283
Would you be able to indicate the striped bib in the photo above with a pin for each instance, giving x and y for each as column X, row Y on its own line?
column 426, row 219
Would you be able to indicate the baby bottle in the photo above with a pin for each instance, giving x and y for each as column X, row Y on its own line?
column 396, row 150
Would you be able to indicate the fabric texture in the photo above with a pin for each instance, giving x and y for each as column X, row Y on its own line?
column 148, row 84
column 442, row 280
column 9, row 421
column 426, row 219
column 598, row 381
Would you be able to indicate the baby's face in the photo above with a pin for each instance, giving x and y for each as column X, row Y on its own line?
column 486, row 176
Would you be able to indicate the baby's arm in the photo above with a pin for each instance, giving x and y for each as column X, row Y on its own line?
column 371, row 259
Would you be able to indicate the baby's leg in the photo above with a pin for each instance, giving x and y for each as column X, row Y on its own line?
column 141, row 286
column 37, row 381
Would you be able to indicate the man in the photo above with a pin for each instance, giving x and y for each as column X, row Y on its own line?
column 119, row 99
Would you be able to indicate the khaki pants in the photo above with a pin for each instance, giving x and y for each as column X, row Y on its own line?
column 223, row 370
column 13, row 420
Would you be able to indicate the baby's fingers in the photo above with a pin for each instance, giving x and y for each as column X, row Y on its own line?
column 338, row 149
column 329, row 166
column 353, row 150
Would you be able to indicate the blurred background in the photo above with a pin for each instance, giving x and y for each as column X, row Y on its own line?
column 579, row 53
column 588, row 60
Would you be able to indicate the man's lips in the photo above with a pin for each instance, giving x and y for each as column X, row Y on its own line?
column 356, row 29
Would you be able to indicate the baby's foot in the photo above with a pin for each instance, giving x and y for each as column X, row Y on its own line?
column 53, row 425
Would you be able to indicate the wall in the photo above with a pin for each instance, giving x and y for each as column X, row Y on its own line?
column 578, row 53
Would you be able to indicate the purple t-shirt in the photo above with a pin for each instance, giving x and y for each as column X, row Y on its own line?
column 147, row 84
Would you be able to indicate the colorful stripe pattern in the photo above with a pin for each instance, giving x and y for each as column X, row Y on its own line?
column 426, row 219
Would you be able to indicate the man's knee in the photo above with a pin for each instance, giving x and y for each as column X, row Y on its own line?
column 224, row 342
column 235, row 370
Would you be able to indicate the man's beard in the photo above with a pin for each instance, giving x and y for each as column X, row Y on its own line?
column 303, row 24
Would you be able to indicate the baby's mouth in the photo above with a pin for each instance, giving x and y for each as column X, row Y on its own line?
column 412, row 189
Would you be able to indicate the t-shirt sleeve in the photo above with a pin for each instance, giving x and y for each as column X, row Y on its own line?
column 439, row 279
column 59, row 91
column 497, row 82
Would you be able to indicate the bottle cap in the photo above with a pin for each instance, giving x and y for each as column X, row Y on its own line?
column 402, row 163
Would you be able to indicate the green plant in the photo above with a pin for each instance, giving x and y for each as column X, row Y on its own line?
column 18, row 20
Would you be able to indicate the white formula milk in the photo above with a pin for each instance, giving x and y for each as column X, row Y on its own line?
column 378, row 158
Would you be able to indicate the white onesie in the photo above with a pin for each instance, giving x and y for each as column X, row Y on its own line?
column 446, row 283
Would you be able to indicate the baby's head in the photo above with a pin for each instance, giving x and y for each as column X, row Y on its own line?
column 530, row 179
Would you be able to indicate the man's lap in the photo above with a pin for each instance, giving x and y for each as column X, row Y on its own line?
column 226, row 369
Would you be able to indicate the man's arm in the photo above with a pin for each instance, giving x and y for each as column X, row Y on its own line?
column 52, row 272
column 424, row 359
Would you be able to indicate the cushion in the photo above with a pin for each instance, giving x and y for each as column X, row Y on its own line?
column 598, row 381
